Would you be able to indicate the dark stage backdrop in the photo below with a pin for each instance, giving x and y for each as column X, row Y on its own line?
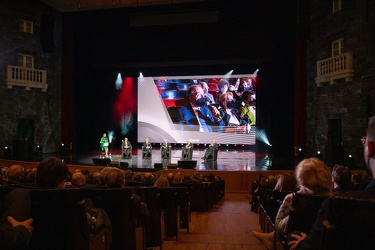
column 247, row 35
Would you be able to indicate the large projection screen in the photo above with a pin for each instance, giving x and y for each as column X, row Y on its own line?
column 162, row 99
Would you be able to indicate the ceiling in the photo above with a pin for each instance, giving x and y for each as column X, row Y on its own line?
column 82, row 5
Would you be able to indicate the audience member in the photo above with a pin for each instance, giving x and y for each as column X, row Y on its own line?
column 15, row 174
column 177, row 178
column 196, row 177
column 313, row 177
column 15, row 220
column 230, row 114
column 93, row 178
column 197, row 116
column 115, row 179
column 162, row 182
column 209, row 97
column 170, row 177
column 137, row 178
column 341, row 178
column 30, row 176
column 78, row 179
column 286, row 182
column 103, row 173
column 300, row 240
column 223, row 87
column 148, row 177
column 52, row 173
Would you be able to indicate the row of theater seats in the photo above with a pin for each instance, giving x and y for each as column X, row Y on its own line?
column 60, row 215
column 349, row 224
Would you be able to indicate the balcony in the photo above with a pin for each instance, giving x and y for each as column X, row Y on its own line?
column 26, row 77
column 333, row 68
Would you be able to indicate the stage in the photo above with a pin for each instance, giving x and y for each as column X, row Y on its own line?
column 230, row 159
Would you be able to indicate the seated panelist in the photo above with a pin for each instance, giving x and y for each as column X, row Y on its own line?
column 187, row 151
column 126, row 147
column 165, row 149
column 146, row 149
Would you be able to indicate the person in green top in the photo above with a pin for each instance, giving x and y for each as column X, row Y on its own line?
column 104, row 144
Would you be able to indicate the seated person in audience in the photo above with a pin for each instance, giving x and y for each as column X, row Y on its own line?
column 126, row 148
column 93, row 178
column 52, row 173
column 247, row 111
column 286, row 182
column 30, row 177
column 15, row 220
column 78, row 180
column 300, row 240
column 162, row 182
column 15, row 175
column 197, row 116
column 210, row 150
column 170, row 177
column 313, row 177
column 212, row 177
column 165, row 149
column 115, row 179
column 187, row 150
column 209, row 97
column 177, row 178
column 230, row 114
column 103, row 173
column 147, row 148
column 196, row 177
column 341, row 178
column 148, row 177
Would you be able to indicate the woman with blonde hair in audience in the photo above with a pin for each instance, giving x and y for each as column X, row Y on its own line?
column 313, row 177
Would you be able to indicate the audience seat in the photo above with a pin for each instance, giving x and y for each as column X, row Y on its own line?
column 351, row 222
column 119, row 205
column 60, row 221
column 302, row 215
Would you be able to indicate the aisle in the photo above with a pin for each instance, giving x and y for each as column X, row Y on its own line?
column 227, row 227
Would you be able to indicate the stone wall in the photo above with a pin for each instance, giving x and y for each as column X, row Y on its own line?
column 352, row 101
column 41, row 110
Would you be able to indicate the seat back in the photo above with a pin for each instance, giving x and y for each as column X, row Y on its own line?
column 153, row 231
column 350, row 223
column 119, row 205
column 169, row 203
column 304, row 211
column 59, row 220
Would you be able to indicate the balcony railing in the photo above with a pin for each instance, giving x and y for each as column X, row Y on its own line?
column 333, row 68
column 26, row 77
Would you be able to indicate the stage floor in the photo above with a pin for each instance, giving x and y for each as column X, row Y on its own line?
column 228, row 159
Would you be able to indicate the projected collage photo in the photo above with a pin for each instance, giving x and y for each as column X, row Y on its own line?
column 199, row 108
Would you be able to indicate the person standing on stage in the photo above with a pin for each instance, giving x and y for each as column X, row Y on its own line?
column 210, row 150
column 187, row 150
column 126, row 148
column 104, row 143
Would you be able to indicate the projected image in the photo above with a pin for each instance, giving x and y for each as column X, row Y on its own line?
column 200, row 108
